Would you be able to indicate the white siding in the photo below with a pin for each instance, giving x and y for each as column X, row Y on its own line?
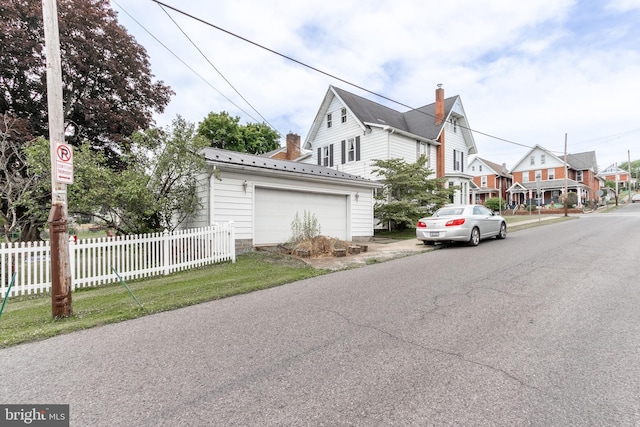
column 228, row 201
column 454, row 141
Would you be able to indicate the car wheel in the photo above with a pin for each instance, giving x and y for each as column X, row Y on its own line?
column 502, row 234
column 428, row 242
column 475, row 237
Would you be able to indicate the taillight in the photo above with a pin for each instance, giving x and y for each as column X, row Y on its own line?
column 454, row 222
column 421, row 224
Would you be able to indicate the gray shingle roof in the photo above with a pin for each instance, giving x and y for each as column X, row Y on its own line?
column 583, row 161
column 499, row 169
column 412, row 121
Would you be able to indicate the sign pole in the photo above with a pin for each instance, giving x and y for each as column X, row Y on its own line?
column 60, row 265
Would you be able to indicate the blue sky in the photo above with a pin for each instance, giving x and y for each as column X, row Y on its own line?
column 527, row 72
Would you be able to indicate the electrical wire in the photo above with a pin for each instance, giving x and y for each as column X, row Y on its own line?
column 326, row 73
column 162, row 5
column 216, row 69
column 183, row 62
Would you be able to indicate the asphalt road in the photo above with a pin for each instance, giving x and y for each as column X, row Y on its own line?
column 540, row 329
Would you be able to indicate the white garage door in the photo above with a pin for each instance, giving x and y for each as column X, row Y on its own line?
column 275, row 210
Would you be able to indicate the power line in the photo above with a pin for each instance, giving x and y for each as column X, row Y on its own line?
column 183, row 62
column 326, row 73
column 216, row 69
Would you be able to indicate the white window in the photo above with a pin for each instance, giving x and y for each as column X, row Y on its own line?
column 457, row 159
column 538, row 175
column 325, row 156
column 422, row 149
column 329, row 120
column 351, row 149
column 532, row 160
column 542, row 159
column 579, row 176
column 483, row 181
column 525, row 176
column 551, row 173
column 473, row 168
column 343, row 115
column 480, row 168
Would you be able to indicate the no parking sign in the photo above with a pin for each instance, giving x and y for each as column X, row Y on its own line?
column 64, row 164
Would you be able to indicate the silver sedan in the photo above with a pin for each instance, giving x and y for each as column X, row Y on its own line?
column 464, row 223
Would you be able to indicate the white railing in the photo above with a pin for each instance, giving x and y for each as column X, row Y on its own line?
column 93, row 261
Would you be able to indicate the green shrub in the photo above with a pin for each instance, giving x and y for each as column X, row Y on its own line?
column 495, row 204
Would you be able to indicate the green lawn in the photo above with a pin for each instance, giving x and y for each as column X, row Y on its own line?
column 28, row 318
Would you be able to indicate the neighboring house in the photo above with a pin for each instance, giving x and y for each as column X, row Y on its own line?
column 262, row 197
column 350, row 132
column 490, row 179
column 539, row 177
column 614, row 174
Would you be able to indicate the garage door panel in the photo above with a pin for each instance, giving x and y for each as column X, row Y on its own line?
column 275, row 210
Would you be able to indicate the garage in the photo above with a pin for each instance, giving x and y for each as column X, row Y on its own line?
column 275, row 210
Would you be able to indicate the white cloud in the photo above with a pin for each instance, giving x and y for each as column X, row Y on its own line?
column 526, row 71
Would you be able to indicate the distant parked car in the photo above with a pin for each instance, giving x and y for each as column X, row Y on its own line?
column 635, row 198
column 465, row 223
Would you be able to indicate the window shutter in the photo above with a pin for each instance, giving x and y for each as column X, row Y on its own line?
column 344, row 151
column 454, row 160
column 461, row 161
column 357, row 148
column 319, row 156
column 331, row 155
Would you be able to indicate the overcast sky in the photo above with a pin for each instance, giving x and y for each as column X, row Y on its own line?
column 526, row 71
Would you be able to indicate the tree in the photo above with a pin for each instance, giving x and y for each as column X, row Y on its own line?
column 409, row 192
column 224, row 131
column 155, row 189
column 108, row 88
column 17, row 182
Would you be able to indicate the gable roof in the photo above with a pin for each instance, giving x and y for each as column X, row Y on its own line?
column 498, row 169
column 264, row 165
column 583, row 161
column 419, row 122
column 578, row 161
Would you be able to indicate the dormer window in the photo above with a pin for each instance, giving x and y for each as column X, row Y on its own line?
column 343, row 115
column 329, row 120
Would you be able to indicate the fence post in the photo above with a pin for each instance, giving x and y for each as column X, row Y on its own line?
column 166, row 256
column 232, row 241
column 72, row 262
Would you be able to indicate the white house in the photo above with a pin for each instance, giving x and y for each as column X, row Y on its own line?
column 263, row 195
column 350, row 132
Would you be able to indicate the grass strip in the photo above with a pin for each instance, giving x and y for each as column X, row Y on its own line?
column 28, row 318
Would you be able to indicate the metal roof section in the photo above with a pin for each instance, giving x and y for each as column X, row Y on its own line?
column 235, row 158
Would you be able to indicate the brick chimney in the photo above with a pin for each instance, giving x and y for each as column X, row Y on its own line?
column 439, row 105
column 293, row 146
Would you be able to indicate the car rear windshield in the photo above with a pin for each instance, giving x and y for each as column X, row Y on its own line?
column 449, row 211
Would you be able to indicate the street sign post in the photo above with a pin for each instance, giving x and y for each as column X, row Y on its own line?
column 64, row 163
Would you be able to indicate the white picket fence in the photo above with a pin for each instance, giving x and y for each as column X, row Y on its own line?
column 92, row 261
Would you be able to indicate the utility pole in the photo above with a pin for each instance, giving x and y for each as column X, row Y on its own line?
column 566, row 182
column 630, row 176
column 60, row 265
